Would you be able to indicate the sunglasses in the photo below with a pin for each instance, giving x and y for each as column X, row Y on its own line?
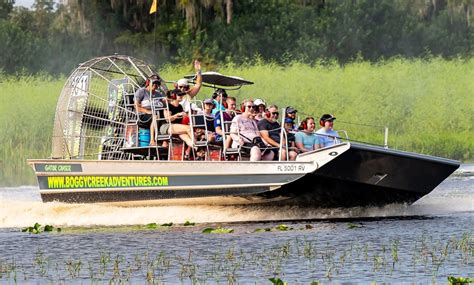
column 180, row 94
column 275, row 113
column 184, row 87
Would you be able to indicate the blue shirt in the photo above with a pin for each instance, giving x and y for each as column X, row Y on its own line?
column 218, row 123
column 217, row 107
column 308, row 139
column 324, row 139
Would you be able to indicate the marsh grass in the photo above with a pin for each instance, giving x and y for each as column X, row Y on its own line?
column 427, row 104
column 326, row 263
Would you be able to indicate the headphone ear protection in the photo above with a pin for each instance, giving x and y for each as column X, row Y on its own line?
column 147, row 82
column 304, row 124
column 321, row 123
column 267, row 114
column 242, row 107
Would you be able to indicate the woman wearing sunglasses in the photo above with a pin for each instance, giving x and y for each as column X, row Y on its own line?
column 244, row 132
column 174, row 115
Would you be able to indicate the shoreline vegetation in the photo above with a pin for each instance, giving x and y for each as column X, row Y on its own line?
column 427, row 104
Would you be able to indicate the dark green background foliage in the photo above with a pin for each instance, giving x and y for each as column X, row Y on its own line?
column 54, row 38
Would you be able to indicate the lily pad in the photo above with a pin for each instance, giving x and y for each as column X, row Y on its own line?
column 354, row 226
column 151, row 226
column 217, row 230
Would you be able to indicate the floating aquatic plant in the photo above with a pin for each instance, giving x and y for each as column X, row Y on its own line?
column 459, row 280
column 277, row 281
column 37, row 229
column 354, row 226
column 188, row 223
column 217, row 230
column 151, row 226
column 282, row 228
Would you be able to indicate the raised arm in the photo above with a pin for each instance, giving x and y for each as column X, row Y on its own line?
column 195, row 90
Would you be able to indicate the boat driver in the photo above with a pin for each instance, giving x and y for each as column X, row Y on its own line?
column 327, row 136
column 219, row 99
column 153, row 89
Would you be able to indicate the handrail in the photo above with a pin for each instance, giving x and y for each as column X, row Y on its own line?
column 283, row 135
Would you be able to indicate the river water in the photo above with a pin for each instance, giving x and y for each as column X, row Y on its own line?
column 421, row 243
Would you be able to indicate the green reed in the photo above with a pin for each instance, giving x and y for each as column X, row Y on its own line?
column 426, row 104
column 386, row 259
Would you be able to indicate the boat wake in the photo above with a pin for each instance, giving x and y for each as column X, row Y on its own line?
column 21, row 206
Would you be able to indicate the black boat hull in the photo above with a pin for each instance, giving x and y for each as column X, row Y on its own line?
column 368, row 176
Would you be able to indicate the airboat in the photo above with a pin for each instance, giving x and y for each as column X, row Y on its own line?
column 97, row 156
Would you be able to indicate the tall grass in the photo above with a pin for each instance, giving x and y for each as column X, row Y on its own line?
column 428, row 105
column 26, row 120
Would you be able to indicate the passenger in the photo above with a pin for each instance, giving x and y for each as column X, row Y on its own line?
column 175, row 114
column 228, row 115
column 327, row 136
column 290, row 133
column 306, row 140
column 142, row 101
column 183, row 85
column 219, row 98
column 244, row 132
column 209, row 119
column 261, row 108
column 291, row 114
column 270, row 130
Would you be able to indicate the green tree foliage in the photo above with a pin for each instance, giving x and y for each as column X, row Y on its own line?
column 54, row 38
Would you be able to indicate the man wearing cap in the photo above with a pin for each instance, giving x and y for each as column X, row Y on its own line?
column 208, row 108
column 183, row 85
column 142, row 99
column 291, row 115
column 327, row 136
column 219, row 97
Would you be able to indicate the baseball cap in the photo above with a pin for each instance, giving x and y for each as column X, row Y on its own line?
column 208, row 101
column 259, row 102
column 183, row 82
column 327, row 117
column 290, row 109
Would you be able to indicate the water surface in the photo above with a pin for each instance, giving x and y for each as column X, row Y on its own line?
column 421, row 243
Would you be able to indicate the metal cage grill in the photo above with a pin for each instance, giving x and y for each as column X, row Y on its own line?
column 92, row 112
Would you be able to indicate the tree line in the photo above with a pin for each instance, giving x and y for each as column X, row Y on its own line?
column 54, row 37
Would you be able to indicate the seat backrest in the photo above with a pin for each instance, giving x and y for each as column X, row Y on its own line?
column 158, row 107
column 197, row 121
